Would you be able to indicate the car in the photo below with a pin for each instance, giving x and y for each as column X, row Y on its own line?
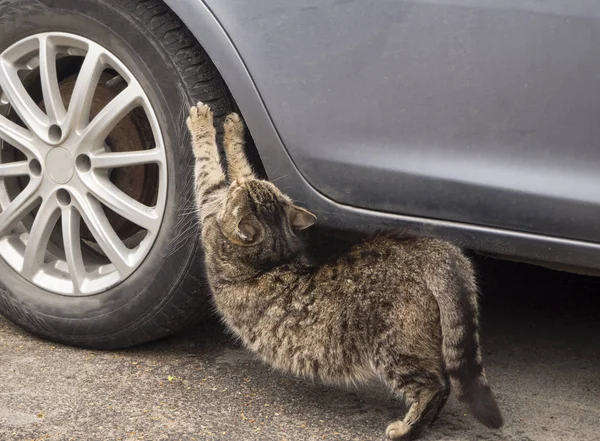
column 470, row 121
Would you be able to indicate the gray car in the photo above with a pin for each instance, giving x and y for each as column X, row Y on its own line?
column 471, row 120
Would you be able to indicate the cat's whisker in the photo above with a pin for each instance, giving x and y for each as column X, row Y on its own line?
column 274, row 172
column 279, row 178
column 184, row 213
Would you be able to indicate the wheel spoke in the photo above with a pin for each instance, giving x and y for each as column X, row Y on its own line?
column 86, row 200
column 50, row 91
column 42, row 227
column 17, row 136
column 20, row 168
column 72, row 243
column 22, row 103
column 123, row 204
column 105, row 235
column 126, row 159
column 19, row 207
column 78, row 113
column 99, row 128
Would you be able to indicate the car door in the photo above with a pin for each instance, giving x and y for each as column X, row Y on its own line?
column 475, row 111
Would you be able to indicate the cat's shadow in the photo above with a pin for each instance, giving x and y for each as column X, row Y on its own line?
column 210, row 345
column 367, row 408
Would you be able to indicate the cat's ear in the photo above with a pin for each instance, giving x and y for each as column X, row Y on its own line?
column 246, row 230
column 301, row 219
column 250, row 231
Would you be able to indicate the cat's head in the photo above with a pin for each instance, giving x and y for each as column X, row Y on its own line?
column 262, row 221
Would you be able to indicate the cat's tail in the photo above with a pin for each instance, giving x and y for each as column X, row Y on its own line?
column 459, row 314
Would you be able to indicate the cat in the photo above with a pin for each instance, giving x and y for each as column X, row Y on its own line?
column 403, row 310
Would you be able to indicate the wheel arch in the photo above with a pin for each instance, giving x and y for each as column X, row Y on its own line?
column 214, row 39
column 572, row 255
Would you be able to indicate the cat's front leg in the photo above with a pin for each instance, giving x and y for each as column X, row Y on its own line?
column 238, row 167
column 209, row 177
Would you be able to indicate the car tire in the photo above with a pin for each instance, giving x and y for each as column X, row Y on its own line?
column 167, row 291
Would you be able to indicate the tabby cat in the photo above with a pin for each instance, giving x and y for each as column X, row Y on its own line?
column 402, row 310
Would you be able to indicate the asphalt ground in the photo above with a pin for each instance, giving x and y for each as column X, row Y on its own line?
column 541, row 338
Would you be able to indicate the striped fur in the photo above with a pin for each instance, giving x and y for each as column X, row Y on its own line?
column 405, row 311
column 233, row 143
column 210, row 182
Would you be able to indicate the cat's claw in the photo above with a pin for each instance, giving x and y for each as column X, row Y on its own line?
column 233, row 125
column 201, row 117
column 200, row 124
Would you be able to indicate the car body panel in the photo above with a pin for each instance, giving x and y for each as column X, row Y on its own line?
column 469, row 155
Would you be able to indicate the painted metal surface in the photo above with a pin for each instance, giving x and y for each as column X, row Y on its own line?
column 471, row 120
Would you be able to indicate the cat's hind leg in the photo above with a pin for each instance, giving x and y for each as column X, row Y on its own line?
column 421, row 381
column 425, row 403
column 447, row 388
column 238, row 166
column 425, row 399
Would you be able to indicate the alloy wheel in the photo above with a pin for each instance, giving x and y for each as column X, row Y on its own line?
column 83, row 176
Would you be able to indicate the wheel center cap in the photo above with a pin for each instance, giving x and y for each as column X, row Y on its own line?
column 59, row 165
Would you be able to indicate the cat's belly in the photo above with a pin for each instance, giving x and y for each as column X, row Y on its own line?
column 308, row 353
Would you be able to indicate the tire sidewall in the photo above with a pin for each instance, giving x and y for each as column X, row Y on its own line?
column 174, row 251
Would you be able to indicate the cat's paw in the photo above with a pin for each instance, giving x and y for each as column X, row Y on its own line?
column 233, row 126
column 200, row 124
column 398, row 430
column 200, row 119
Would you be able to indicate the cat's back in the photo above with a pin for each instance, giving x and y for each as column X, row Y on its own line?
column 387, row 276
column 382, row 273
column 390, row 257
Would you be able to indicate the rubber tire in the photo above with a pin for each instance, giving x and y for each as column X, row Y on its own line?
column 167, row 292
